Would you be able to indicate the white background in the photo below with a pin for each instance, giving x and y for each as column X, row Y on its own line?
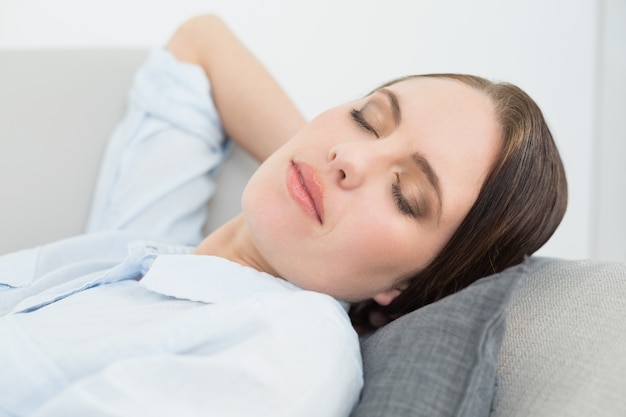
column 567, row 54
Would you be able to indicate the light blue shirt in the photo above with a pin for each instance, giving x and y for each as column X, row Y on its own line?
column 125, row 321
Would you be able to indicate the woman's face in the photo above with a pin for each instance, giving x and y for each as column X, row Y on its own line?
column 368, row 193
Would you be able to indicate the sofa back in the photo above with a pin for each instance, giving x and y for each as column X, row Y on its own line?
column 57, row 109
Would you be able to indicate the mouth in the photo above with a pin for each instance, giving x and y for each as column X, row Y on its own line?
column 306, row 190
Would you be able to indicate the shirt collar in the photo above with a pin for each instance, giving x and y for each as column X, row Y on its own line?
column 211, row 279
column 208, row 279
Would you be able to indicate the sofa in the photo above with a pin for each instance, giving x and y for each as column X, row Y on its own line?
column 545, row 338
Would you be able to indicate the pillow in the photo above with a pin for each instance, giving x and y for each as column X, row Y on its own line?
column 440, row 360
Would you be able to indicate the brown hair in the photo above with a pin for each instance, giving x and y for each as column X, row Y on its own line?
column 520, row 205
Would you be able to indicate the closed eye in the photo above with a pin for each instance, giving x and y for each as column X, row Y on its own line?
column 401, row 202
column 357, row 116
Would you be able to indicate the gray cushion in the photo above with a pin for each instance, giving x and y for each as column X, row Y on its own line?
column 440, row 360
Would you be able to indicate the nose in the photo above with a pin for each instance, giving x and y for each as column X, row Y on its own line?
column 353, row 162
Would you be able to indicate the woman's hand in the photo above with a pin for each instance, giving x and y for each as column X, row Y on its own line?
column 256, row 113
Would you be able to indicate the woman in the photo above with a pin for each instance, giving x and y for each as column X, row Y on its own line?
column 386, row 203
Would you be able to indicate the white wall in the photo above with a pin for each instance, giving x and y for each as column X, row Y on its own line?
column 610, row 164
column 328, row 51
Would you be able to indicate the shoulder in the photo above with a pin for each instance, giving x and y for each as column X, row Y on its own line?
column 318, row 340
column 312, row 322
column 315, row 310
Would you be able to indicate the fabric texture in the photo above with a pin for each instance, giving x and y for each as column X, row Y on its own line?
column 440, row 360
column 564, row 351
column 125, row 321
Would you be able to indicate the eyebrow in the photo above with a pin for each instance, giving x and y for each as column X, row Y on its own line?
column 393, row 103
column 423, row 164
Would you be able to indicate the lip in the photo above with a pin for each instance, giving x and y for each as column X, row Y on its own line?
column 306, row 190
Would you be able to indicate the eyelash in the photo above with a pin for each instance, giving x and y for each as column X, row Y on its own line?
column 357, row 116
column 401, row 202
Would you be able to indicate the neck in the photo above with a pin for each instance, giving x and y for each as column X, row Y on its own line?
column 232, row 241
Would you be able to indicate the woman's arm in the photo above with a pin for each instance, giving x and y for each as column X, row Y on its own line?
column 255, row 111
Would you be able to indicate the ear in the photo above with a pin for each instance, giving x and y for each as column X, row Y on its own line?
column 386, row 297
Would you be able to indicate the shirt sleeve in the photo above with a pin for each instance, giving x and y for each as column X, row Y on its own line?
column 155, row 177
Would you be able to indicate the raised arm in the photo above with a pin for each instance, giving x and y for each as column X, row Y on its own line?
column 255, row 111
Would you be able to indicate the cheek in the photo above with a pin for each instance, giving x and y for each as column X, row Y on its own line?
column 261, row 206
column 251, row 199
column 384, row 244
column 327, row 129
